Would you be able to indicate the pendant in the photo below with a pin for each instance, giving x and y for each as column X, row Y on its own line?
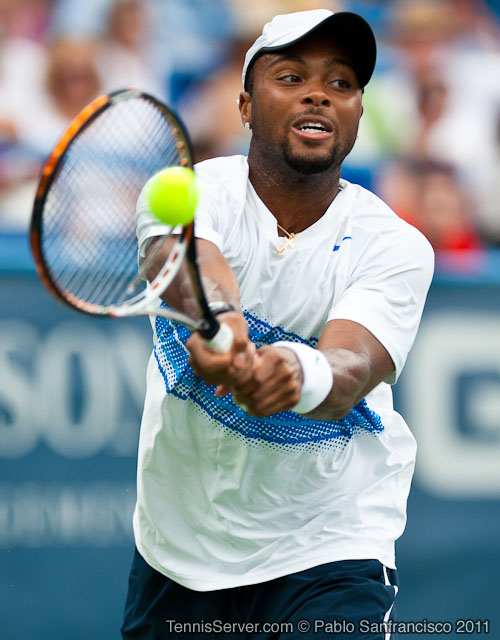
column 288, row 243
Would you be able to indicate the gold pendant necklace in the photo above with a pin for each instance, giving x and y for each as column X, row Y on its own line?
column 290, row 237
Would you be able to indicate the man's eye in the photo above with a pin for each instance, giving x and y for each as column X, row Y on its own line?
column 289, row 77
column 341, row 84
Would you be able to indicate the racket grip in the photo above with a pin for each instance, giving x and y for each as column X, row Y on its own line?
column 222, row 341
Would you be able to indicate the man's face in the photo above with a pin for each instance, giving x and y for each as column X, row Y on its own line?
column 305, row 105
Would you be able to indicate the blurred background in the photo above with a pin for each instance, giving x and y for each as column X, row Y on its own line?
column 71, row 388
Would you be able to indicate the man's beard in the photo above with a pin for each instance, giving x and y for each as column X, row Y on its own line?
column 308, row 166
column 301, row 162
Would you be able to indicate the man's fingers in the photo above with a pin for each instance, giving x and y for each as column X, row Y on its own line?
column 225, row 369
column 275, row 384
column 263, row 381
column 274, row 400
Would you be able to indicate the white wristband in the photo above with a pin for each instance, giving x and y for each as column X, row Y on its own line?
column 316, row 372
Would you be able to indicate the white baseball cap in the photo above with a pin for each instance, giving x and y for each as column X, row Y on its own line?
column 346, row 28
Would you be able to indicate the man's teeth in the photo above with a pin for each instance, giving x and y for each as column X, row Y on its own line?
column 312, row 127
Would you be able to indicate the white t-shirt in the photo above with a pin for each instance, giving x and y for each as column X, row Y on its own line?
column 225, row 499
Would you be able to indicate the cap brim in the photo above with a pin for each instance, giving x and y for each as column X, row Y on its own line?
column 349, row 30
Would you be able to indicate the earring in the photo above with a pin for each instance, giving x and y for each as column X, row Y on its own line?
column 247, row 126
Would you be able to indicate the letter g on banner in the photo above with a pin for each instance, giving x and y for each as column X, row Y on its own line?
column 452, row 402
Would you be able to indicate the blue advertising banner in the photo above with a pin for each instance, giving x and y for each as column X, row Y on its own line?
column 71, row 394
column 449, row 393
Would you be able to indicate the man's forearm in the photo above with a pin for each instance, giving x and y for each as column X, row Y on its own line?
column 218, row 280
column 351, row 374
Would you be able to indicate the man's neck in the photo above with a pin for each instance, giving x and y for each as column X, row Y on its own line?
column 297, row 201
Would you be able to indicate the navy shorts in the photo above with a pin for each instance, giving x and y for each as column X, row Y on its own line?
column 346, row 600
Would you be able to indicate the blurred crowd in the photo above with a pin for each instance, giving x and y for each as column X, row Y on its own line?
column 429, row 140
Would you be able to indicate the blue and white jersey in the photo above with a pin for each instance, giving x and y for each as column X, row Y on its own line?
column 225, row 499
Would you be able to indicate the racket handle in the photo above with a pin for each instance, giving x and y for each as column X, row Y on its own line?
column 222, row 341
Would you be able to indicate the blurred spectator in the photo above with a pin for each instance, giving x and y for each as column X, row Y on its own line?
column 415, row 36
column 71, row 80
column 435, row 97
column 210, row 110
column 432, row 102
column 124, row 56
column 27, row 19
column 189, row 41
column 21, row 65
column 429, row 195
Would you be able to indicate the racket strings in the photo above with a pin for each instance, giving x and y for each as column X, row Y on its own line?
column 79, row 239
column 88, row 233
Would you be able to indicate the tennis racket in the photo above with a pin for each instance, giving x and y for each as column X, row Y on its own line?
column 83, row 228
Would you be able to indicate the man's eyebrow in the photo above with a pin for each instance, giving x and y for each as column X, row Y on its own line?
column 285, row 57
column 329, row 62
column 338, row 61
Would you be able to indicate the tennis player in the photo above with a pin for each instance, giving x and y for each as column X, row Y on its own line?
column 273, row 480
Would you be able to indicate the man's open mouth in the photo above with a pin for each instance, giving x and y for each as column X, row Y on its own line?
column 314, row 126
column 311, row 127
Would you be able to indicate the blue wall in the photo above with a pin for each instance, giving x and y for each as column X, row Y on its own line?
column 449, row 392
column 71, row 392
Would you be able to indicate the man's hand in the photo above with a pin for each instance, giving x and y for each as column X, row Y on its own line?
column 274, row 385
column 235, row 366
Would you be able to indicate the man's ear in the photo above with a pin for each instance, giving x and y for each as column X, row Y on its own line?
column 245, row 107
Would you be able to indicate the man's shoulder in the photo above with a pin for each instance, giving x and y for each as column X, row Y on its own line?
column 223, row 184
column 370, row 210
column 226, row 171
column 367, row 204
column 381, row 225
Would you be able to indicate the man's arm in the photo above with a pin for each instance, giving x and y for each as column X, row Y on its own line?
column 220, row 284
column 357, row 360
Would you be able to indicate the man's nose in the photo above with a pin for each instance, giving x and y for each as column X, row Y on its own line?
column 316, row 95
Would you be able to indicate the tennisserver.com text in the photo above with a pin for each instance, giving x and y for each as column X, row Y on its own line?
column 421, row 627
column 218, row 626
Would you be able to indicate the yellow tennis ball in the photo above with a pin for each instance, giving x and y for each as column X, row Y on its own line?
column 172, row 195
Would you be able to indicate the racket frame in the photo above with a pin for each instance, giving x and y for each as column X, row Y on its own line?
column 148, row 301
